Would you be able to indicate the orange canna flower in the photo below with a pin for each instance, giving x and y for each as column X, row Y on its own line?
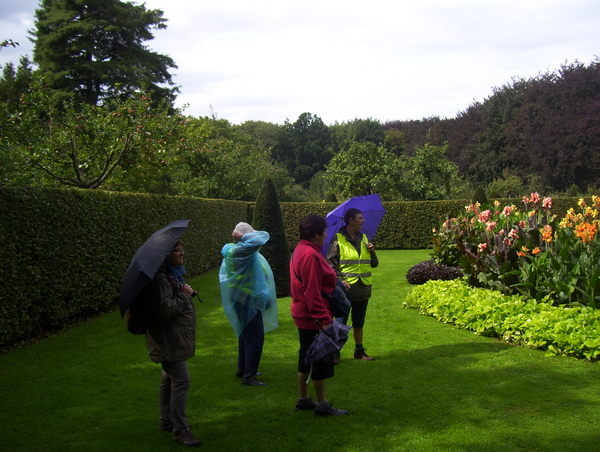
column 536, row 250
column 547, row 234
column 586, row 231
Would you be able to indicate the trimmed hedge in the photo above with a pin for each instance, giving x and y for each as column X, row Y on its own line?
column 63, row 253
column 406, row 225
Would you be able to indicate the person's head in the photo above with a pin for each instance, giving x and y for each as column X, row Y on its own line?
column 313, row 228
column 240, row 230
column 176, row 254
column 351, row 214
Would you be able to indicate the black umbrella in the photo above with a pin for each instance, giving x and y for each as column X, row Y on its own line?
column 147, row 260
column 327, row 341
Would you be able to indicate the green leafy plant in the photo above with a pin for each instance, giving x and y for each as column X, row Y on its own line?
column 560, row 330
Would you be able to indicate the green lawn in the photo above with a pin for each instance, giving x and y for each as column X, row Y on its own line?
column 431, row 388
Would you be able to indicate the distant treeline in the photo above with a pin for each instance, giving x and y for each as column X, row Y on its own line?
column 545, row 130
column 545, row 127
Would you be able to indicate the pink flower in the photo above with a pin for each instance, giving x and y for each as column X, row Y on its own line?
column 522, row 223
column 507, row 211
column 490, row 225
column 485, row 216
column 535, row 197
column 513, row 234
column 481, row 247
column 547, row 203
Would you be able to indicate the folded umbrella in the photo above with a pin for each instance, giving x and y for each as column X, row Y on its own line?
column 327, row 342
column 147, row 260
column 371, row 208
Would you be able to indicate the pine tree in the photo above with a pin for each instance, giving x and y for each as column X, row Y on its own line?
column 268, row 217
column 95, row 50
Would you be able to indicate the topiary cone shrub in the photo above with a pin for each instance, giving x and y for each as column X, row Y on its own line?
column 479, row 196
column 268, row 217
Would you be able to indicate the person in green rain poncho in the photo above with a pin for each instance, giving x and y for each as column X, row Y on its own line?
column 248, row 297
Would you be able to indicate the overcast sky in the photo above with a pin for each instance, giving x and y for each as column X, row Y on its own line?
column 273, row 60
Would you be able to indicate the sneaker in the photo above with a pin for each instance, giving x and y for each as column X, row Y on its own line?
column 253, row 381
column 329, row 410
column 165, row 426
column 187, row 439
column 361, row 353
column 305, row 404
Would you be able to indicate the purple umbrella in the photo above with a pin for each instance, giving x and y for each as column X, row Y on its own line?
column 371, row 208
column 327, row 342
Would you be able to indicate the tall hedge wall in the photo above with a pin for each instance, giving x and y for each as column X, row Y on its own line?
column 406, row 225
column 63, row 253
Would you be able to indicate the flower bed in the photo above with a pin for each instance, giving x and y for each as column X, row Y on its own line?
column 527, row 251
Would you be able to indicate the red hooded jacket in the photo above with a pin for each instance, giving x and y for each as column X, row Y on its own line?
column 310, row 276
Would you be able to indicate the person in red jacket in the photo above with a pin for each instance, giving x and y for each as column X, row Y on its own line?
column 311, row 276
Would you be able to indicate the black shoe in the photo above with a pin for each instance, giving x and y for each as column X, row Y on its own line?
column 329, row 410
column 305, row 404
column 187, row 439
column 165, row 426
column 240, row 373
column 252, row 381
column 361, row 353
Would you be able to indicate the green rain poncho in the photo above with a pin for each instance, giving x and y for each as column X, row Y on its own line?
column 247, row 284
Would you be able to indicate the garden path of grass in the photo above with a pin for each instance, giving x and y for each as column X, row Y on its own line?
column 432, row 388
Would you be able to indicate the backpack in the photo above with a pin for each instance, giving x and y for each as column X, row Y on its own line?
column 136, row 318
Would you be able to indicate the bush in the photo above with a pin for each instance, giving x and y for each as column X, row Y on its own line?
column 429, row 270
column 560, row 330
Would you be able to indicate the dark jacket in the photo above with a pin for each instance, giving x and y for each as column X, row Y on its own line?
column 171, row 333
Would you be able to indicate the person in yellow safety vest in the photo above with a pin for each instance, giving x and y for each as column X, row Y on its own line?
column 248, row 297
column 353, row 257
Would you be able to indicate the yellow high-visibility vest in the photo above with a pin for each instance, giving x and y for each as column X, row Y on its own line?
column 352, row 266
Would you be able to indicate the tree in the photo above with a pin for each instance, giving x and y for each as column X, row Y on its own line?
column 358, row 130
column 264, row 134
column 303, row 147
column 81, row 146
column 268, row 217
column 217, row 161
column 431, row 174
column 14, row 84
column 95, row 50
column 364, row 169
column 508, row 186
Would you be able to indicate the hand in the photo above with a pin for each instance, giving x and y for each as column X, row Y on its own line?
column 370, row 247
column 186, row 288
column 326, row 325
column 346, row 285
column 237, row 236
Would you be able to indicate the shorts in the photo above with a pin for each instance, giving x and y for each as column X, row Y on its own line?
column 319, row 370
